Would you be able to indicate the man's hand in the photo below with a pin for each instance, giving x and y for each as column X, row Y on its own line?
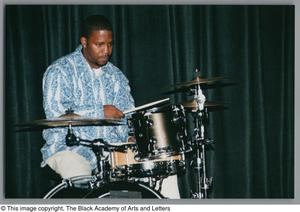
column 111, row 111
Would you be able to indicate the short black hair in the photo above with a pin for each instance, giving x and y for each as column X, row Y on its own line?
column 94, row 22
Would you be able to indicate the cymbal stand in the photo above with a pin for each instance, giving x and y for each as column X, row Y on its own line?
column 97, row 145
column 199, row 162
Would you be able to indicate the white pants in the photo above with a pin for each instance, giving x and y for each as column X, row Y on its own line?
column 169, row 187
column 70, row 164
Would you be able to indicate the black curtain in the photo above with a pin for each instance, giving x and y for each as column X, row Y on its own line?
column 157, row 46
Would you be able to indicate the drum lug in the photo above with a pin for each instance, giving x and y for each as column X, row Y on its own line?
column 131, row 131
column 152, row 146
column 67, row 182
column 182, row 163
column 92, row 185
column 149, row 122
column 153, row 140
column 175, row 119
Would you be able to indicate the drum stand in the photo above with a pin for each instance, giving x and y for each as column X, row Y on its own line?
column 98, row 146
column 198, row 164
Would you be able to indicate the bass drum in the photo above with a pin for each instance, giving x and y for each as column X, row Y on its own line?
column 84, row 187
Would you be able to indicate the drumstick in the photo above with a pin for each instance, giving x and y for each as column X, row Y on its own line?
column 146, row 106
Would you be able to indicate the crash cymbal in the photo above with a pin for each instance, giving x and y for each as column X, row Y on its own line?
column 210, row 105
column 72, row 119
column 199, row 81
column 203, row 82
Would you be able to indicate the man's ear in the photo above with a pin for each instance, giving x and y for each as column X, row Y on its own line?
column 83, row 41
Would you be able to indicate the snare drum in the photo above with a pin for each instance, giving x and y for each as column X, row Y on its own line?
column 160, row 132
column 124, row 165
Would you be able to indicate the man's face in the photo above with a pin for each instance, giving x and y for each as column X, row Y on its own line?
column 97, row 49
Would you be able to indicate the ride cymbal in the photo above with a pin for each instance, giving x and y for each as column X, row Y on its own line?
column 204, row 83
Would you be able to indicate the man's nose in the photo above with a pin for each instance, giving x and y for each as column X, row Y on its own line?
column 106, row 49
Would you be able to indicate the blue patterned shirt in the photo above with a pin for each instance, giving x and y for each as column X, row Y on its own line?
column 70, row 83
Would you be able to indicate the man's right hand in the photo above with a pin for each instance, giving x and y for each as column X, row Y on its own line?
column 111, row 111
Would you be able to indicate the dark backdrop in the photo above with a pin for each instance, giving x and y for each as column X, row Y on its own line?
column 157, row 46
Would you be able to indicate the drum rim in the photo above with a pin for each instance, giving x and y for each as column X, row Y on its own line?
column 131, row 184
column 68, row 183
column 64, row 184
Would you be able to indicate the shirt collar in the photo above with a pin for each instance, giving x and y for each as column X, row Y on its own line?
column 105, row 69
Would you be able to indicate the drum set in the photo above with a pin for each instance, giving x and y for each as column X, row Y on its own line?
column 136, row 169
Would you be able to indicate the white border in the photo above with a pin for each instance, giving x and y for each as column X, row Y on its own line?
column 184, row 201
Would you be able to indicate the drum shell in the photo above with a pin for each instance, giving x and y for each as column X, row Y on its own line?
column 160, row 133
column 124, row 165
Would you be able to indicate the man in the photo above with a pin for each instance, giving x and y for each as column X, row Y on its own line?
column 87, row 83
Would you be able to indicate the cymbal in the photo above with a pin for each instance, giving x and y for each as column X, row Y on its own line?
column 205, row 83
column 72, row 119
column 199, row 81
column 210, row 105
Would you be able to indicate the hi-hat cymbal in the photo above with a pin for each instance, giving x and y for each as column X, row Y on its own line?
column 205, row 83
column 210, row 105
column 72, row 119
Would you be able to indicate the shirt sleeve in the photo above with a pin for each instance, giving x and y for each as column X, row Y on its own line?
column 57, row 98
column 123, row 100
column 57, row 92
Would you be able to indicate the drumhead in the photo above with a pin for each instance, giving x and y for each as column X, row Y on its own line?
column 119, row 189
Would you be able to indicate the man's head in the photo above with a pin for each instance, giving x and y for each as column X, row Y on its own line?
column 96, row 40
